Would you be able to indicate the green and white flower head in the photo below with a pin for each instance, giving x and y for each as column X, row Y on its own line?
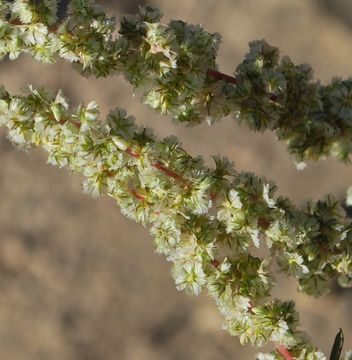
column 205, row 220
column 189, row 277
column 311, row 355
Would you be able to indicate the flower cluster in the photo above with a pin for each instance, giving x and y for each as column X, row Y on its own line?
column 205, row 220
column 173, row 67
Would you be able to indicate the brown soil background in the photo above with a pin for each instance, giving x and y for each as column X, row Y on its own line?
column 80, row 281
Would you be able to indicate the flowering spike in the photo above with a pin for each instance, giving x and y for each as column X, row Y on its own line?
column 173, row 67
column 209, row 251
column 205, row 220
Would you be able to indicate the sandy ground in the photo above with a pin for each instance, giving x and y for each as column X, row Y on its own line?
column 78, row 280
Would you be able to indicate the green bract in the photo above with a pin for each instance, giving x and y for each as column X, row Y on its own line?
column 204, row 220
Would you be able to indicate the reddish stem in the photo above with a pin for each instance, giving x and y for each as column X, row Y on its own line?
column 137, row 195
column 217, row 75
column 215, row 263
column 54, row 27
column 110, row 173
column 157, row 166
column 63, row 122
column 133, row 153
column 263, row 223
column 283, row 351
column 250, row 307
column 15, row 22
column 167, row 171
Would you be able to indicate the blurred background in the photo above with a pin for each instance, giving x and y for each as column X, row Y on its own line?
column 80, row 281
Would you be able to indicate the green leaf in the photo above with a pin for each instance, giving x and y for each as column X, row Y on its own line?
column 337, row 347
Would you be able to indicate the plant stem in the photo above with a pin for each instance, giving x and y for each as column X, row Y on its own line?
column 284, row 352
column 217, row 75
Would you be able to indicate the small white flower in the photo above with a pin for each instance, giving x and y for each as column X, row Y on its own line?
column 242, row 303
column 279, row 332
column 189, row 276
column 262, row 356
column 225, row 266
column 348, row 355
column 35, row 34
column 296, row 261
column 301, row 165
column 315, row 355
column 266, row 191
column 255, row 237
column 120, row 143
column 235, row 199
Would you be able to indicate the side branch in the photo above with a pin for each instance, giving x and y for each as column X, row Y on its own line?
column 268, row 93
column 198, row 235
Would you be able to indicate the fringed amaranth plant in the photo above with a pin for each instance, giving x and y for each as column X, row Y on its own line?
column 204, row 220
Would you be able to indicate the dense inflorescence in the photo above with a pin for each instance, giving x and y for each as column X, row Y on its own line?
column 173, row 67
column 207, row 221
